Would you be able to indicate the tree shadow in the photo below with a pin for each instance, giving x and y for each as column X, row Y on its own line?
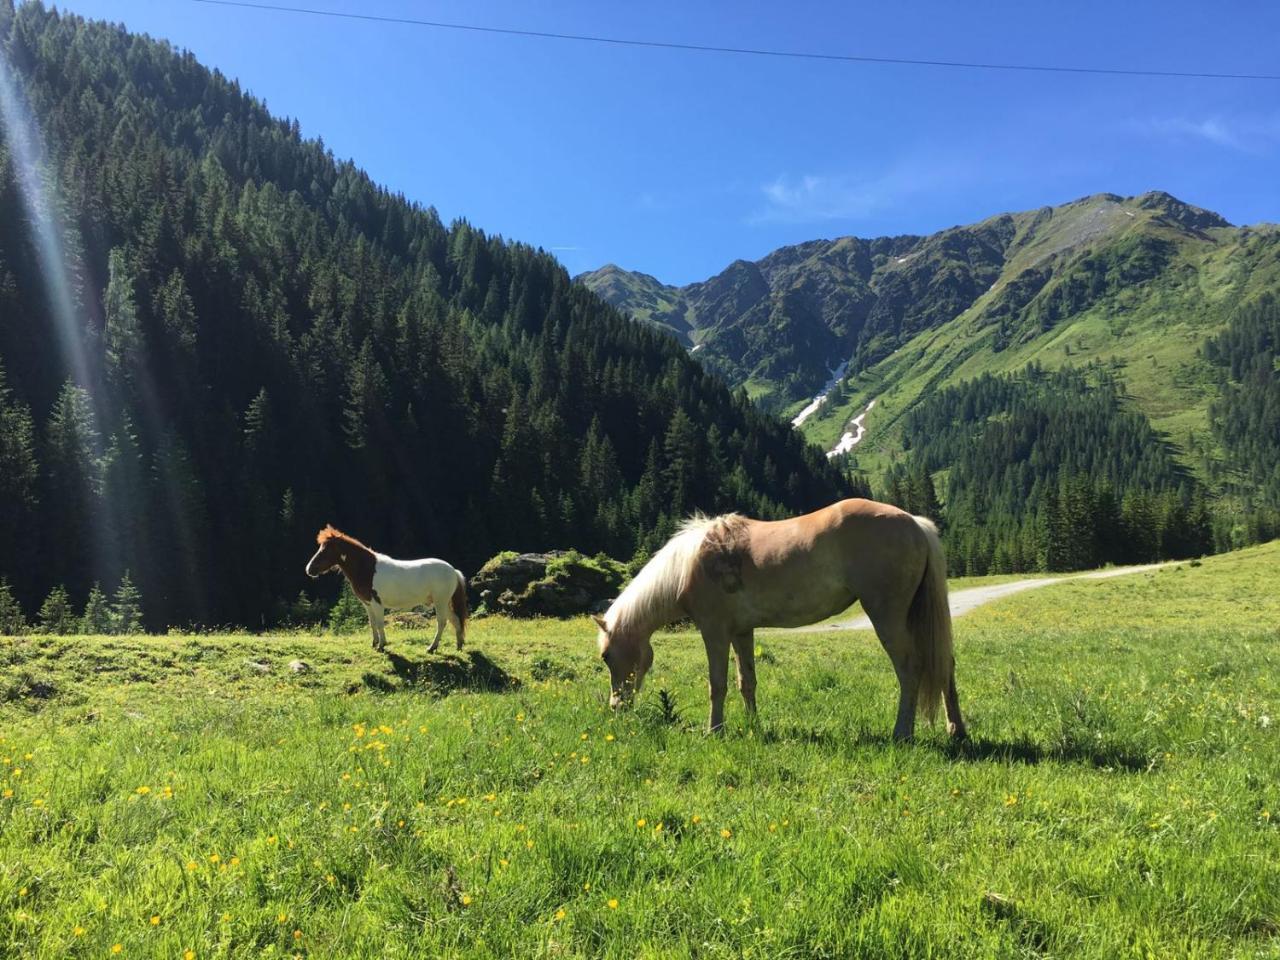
column 474, row 672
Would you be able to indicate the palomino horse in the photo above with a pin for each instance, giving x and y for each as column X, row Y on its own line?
column 382, row 583
column 731, row 575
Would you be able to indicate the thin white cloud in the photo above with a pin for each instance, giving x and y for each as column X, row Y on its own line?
column 1247, row 134
column 812, row 197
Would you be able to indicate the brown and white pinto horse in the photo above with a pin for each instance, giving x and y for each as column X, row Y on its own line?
column 731, row 575
column 382, row 583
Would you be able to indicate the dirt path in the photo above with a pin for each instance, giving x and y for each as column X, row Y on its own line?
column 962, row 601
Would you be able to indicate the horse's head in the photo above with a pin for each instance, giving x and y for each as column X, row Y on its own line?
column 330, row 555
column 628, row 655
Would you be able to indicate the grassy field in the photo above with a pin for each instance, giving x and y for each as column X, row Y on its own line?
column 195, row 797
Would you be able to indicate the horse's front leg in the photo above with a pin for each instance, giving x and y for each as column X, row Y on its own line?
column 435, row 644
column 376, row 624
column 717, row 645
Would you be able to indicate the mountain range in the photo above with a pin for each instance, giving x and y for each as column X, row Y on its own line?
column 1139, row 280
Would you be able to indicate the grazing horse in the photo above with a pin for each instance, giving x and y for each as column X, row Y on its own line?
column 382, row 583
column 730, row 574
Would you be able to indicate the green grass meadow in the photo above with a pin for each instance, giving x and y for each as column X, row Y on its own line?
column 192, row 796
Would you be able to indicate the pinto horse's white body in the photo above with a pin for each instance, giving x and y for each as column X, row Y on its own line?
column 401, row 584
column 383, row 583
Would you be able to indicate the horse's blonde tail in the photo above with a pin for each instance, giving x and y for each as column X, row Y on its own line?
column 930, row 622
column 458, row 603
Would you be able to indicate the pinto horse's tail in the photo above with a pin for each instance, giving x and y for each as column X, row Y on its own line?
column 930, row 622
column 458, row 604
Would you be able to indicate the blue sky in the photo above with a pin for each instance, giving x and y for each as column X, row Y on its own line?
column 676, row 163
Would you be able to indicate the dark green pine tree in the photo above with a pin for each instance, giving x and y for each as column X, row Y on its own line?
column 126, row 607
column 122, row 330
column 682, row 452
column 19, row 469
column 364, row 416
column 12, row 621
column 56, row 615
column 97, row 613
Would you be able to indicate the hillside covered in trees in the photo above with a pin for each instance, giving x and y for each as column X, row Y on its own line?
column 1049, row 471
column 214, row 338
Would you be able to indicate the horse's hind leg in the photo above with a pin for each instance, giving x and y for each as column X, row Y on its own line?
column 955, row 723
column 744, row 651
column 456, row 624
column 440, row 620
column 896, row 640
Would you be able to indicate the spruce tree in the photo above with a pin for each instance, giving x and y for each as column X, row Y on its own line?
column 97, row 613
column 12, row 622
column 126, row 607
column 56, row 615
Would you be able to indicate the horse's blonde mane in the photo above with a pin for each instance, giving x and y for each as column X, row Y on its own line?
column 655, row 590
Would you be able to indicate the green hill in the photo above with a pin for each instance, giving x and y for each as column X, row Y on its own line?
column 242, row 338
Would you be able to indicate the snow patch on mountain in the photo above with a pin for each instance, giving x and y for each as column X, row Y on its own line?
column 852, row 437
column 821, row 398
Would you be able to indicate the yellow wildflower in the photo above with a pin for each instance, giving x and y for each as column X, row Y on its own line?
column 117, row 947
column 613, row 904
column 155, row 920
column 726, row 833
column 560, row 914
column 466, row 899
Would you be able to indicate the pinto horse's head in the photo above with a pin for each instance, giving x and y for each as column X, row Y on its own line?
column 628, row 655
column 332, row 552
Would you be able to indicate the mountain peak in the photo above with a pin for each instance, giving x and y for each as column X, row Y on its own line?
column 1181, row 213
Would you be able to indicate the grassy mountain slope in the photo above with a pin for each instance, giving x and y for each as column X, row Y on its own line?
column 1137, row 284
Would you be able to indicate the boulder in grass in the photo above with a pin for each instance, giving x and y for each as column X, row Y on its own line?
column 559, row 583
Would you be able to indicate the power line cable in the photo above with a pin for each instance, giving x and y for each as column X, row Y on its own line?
column 748, row 51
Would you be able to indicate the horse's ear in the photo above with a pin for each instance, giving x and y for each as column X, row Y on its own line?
column 600, row 622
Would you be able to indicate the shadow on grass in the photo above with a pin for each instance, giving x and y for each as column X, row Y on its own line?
column 1023, row 750
column 976, row 749
column 474, row 672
